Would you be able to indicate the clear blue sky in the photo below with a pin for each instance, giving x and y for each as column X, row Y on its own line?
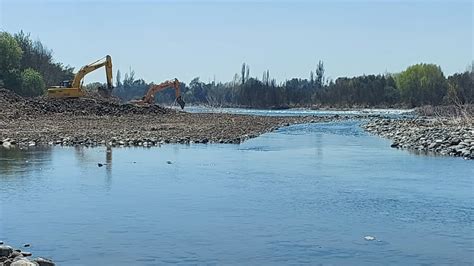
column 185, row 39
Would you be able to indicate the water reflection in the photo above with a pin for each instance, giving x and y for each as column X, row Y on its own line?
column 16, row 160
column 303, row 194
column 108, row 166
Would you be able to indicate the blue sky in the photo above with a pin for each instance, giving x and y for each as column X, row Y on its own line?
column 186, row 39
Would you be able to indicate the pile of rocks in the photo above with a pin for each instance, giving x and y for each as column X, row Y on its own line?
column 436, row 135
column 90, row 106
column 14, row 106
column 16, row 257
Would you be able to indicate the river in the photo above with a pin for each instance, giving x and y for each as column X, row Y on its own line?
column 302, row 194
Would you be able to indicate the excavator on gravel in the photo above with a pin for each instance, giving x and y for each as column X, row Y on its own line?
column 73, row 88
column 149, row 97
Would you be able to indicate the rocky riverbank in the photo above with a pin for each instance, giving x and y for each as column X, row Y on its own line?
column 94, row 121
column 10, row 256
column 441, row 136
column 140, row 130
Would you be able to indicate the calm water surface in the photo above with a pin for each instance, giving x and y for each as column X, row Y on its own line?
column 302, row 194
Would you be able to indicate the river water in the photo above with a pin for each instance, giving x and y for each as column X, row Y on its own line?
column 303, row 194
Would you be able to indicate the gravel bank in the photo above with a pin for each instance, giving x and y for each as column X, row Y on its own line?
column 10, row 256
column 140, row 130
column 441, row 136
column 93, row 121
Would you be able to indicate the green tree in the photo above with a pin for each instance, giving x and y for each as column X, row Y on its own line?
column 320, row 74
column 32, row 83
column 37, row 56
column 422, row 84
column 10, row 57
column 460, row 88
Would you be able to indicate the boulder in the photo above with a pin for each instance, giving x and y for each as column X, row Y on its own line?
column 25, row 253
column 5, row 250
column 23, row 262
column 15, row 253
column 44, row 262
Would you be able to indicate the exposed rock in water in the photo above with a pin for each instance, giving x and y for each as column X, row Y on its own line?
column 369, row 238
column 15, row 257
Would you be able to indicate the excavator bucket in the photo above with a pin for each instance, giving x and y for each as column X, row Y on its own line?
column 180, row 102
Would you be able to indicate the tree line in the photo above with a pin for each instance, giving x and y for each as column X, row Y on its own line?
column 28, row 68
column 420, row 84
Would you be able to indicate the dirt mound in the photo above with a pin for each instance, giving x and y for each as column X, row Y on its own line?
column 91, row 106
column 13, row 104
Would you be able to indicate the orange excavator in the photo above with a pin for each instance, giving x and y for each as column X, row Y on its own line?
column 149, row 97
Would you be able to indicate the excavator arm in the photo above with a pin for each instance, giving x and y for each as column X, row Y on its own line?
column 107, row 63
column 75, row 90
column 149, row 97
column 76, row 83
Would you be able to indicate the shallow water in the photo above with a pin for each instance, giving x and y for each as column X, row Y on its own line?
column 299, row 111
column 303, row 194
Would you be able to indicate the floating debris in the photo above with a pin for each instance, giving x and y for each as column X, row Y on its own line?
column 369, row 238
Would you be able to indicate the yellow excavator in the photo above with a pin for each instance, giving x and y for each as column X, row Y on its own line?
column 73, row 89
column 149, row 97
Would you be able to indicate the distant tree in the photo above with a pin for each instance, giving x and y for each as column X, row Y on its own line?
column 247, row 73
column 198, row 90
column 118, row 82
column 320, row 74
column 422, row 84
column 32, row 83
column 10, row 57
column 243, row 74
column 460, row 89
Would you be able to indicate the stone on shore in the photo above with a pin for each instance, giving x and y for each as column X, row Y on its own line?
column 44, row 262
column 439, row 136
column 5, row 250
column 23, row 262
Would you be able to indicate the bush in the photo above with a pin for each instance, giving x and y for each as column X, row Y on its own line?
column 32, row 83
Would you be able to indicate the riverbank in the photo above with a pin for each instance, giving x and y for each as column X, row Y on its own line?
column 141, row 130
column 17, row 257
column 94, row 121
column 435, row 135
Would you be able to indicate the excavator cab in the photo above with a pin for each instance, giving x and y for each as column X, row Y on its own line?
column 66, row 83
